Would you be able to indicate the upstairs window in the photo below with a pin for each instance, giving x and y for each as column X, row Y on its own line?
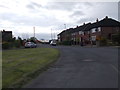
column 96, row 30
column 80, row 32
column 93, row 30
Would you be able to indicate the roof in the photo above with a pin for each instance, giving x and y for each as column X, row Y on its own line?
column 66, row 31
column 6, row 31
column 106, row 22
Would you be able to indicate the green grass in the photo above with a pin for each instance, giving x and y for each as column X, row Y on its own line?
column 21, row 66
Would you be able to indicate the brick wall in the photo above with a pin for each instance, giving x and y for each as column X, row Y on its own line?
column 108, row 31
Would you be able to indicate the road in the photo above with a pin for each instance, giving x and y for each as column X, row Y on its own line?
column 80, row 67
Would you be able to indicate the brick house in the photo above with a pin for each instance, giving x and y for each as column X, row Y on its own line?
column 6, row 36
column 65, row 35
column 105, row 28
column 91, row 32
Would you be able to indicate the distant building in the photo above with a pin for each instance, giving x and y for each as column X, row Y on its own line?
column 6, row 36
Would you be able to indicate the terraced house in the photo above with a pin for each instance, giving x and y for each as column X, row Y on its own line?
column 91, row 33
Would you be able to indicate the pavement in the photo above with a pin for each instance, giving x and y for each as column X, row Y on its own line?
column 80, row 67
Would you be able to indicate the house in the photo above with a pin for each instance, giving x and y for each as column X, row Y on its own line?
column 65, row 35
column 91, row 32
column 105, row 28
column 6, row 36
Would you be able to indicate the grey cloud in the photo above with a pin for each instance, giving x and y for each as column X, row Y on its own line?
column 33, row 5
column 61, row 5
column 8, row 16
column 43, row 21
column 88, row 4
column 30, row 6
column 3, row 6
column 85, row 20
column 77, row 13
column 69, row 6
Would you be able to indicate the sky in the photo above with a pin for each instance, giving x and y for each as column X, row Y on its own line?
column 51, row 17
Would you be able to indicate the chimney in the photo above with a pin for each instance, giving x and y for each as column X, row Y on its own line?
column 106, row 17
column 97, row 20
column 83, row 23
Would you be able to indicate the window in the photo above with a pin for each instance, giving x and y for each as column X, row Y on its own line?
column 99, row 29
column 80, row 32
column 93, row 38
column 93, row 30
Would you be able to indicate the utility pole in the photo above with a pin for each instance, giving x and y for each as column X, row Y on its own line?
column 34, row 31
column 51, row 33
column 65, row 26
column 54, row 35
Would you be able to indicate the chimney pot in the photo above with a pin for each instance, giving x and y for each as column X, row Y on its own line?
column 77, row 26
column 97, row 20
column 106, row 17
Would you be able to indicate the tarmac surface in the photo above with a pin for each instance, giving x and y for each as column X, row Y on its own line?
column 80, row 67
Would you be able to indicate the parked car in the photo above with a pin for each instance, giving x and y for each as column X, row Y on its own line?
column 53, row 43
column 30, row 45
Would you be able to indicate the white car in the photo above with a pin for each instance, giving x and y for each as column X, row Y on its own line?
column 53, row 43
column 30, row 45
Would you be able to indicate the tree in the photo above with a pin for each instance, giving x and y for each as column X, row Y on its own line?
column 20, row 39
column 33, row 39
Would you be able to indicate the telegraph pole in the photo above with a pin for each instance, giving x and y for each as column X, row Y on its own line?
column 65, row 26
column 34, row 31
column 54, row 35
column 51, row 33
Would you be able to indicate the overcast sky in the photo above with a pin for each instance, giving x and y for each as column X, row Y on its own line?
column 20, row 16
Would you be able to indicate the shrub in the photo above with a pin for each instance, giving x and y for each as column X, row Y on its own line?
column 103, row 42
column 110, row 43
column 66, row 42
column 17, row 43
column 116, row 38
column 5, row 45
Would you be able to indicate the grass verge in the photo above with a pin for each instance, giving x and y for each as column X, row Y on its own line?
column 21, row 66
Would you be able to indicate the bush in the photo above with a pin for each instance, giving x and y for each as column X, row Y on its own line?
column 116, row 39
column 17, row 43
column 103, row 42
column 66, row 43
column 110, row 43
column 5, row 45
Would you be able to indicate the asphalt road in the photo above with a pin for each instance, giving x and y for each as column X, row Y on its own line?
column 80, row 67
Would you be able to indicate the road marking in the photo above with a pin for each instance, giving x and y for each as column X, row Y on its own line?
column 116, row 69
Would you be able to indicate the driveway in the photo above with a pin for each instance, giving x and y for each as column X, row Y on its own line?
column 80, row 67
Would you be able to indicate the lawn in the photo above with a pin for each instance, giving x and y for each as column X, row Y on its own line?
column 21, row 66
